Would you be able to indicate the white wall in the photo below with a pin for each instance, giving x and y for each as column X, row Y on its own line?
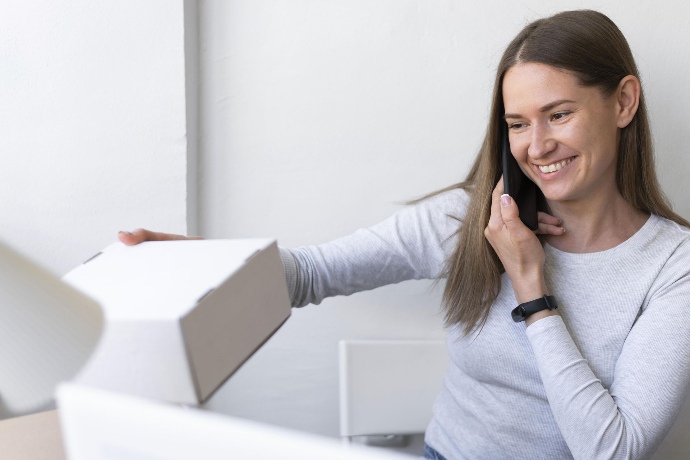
column 318, row 116
column 92, row 124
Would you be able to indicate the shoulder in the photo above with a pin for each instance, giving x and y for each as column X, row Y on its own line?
column 442, row 212
column 439, row 217
column 670, row 234
column 429, row 224
column 670, row 247
column 663, row 241
column 452, row 203
column 678, row 238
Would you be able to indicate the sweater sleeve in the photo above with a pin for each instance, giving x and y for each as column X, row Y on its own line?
column 412, row 244
column 650, row 382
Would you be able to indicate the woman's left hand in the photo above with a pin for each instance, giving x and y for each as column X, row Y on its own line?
column 517, row 246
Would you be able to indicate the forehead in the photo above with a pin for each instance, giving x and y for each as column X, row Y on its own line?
column 533, row 84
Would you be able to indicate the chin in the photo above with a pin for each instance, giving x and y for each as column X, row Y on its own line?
column 556, row 195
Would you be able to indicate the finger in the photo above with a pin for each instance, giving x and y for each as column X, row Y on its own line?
column 547, row 229
column 130, row 238
column 140, row 235
column 548, row 219
column 159, row 236
column 549, row 225
column 510, row 213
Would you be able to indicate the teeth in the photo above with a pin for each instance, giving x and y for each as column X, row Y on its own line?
column 554, row 166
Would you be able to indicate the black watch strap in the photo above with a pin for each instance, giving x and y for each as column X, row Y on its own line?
column 522, row 311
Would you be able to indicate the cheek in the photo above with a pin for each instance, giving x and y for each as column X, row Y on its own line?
column 577, row 140
column 601, row 145
column 599, row 134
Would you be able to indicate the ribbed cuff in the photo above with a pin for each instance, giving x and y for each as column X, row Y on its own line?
column 291, row 272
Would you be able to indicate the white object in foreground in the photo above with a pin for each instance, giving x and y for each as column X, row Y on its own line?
column 101, row 425
column 47, row 331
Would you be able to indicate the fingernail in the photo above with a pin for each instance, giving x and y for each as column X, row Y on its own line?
column 125, row 232
column 506, row 200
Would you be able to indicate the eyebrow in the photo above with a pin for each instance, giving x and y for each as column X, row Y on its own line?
column 546, row 108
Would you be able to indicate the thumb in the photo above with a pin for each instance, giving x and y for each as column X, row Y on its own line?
column 510, row 213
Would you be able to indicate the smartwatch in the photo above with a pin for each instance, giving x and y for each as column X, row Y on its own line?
column 522, row 311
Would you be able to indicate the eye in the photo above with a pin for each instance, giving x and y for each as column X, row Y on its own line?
column 516, row 126
column 558, row 116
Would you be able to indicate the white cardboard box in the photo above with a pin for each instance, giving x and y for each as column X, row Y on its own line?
column 181, row 316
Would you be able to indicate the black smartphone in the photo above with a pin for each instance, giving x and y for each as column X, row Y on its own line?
column 525, row 193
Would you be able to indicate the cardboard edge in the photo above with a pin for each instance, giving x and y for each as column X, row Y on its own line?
column 196, row 385
column 220, row 385
column 266, row 245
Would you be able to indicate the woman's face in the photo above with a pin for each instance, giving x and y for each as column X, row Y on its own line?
column 563, row 135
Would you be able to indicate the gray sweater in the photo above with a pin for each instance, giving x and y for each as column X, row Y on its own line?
column 605, row 379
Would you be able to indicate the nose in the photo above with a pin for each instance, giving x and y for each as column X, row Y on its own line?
column 541, row 142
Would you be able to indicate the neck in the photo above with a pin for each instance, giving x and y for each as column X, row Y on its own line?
column 595, row 225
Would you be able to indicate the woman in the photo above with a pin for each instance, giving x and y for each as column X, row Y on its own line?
column 604, row 374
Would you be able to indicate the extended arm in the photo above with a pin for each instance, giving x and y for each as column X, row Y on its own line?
column 412, row 244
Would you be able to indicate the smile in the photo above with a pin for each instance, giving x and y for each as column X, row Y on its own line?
column 553, row 167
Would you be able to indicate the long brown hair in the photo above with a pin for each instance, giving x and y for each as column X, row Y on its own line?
column 590, row 46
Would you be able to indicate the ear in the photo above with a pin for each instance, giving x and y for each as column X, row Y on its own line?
column 627, row 100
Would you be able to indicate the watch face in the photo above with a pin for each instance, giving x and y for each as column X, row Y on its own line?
column 518, row 314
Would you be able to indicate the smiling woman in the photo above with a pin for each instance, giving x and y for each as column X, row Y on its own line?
column 572, row 52
column 569, row 90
